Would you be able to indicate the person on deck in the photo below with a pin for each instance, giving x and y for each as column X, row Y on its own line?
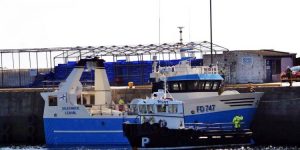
column 237, row 121
column 121, row 103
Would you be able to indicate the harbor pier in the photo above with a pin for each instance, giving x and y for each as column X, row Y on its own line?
column 276, row 120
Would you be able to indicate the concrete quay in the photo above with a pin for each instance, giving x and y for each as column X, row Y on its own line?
column 276, row 122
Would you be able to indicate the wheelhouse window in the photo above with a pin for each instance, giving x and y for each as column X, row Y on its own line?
column 150, row 109
column 87, row 100
column 142, row 109
column 133, row 109
column 84, row 101
column 52, row 100
column 78, row 100
column 161, row 108
column 182, row 86
column 92, row 99
column 216, row 85
column 175, row 86
column 208, row 85
column 193, row 86
column 173, row 109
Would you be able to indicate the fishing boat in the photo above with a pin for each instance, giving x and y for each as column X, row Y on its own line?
column 199, row 87
column 74, row 114
column 162, row 126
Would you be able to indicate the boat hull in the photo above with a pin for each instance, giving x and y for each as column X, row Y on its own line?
column 85, row 131
column 223, row 117
column 154, row 136
column 102, row 131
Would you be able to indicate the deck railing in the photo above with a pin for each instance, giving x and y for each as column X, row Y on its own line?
column 213, row 126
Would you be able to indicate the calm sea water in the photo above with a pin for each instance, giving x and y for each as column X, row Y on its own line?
column 128, row 148
column 65, row 148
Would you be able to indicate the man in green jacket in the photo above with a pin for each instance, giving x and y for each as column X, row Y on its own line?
column 237, row 121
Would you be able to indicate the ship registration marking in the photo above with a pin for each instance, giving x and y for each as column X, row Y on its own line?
column 206, row 108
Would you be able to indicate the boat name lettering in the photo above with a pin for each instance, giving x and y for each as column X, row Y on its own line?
column 162, row 102
column 70, row 113
column 70, row 108
column 206, row 108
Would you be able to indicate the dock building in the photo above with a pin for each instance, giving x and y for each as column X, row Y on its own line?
column 257, row 66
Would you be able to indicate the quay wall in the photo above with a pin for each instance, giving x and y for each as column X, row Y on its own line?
column 276, row 122
column 21, row 117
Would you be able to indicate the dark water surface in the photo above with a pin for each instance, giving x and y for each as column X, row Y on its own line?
column 128, row 148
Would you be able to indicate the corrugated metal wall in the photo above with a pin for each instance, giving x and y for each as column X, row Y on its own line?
column 18, row 78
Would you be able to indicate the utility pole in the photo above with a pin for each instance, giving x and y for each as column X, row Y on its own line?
column 211, row 42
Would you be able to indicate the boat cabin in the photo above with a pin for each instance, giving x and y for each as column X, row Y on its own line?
column 166, row 112
column 191, row 83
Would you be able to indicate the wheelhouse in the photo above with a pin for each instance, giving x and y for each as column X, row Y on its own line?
column 191, row 83
column 156, row 107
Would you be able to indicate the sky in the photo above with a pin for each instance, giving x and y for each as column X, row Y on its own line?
column 237, row 24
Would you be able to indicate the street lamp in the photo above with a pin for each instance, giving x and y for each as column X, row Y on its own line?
column 211, row 42
column 180, row 32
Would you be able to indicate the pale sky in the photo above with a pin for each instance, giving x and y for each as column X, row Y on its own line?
column 237, row 24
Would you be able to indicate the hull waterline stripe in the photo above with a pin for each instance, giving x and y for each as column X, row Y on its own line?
column 88, row 131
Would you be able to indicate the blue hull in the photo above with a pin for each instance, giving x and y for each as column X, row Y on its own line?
column 223, row 117
column 108, row 131
column 90, row 131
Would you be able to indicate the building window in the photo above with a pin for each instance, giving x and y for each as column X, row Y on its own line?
column 52, row 100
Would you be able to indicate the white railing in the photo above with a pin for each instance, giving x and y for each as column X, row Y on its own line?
column 178, row 70
column 108, row 109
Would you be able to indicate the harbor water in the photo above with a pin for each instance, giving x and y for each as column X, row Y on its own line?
column 42, row 147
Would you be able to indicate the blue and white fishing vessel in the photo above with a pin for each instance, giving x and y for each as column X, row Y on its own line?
column 162, row 126
column 199, row 88
column 76, row 116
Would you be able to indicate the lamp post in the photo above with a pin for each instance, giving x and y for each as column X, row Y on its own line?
column 180, row 32
column 211, row 42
